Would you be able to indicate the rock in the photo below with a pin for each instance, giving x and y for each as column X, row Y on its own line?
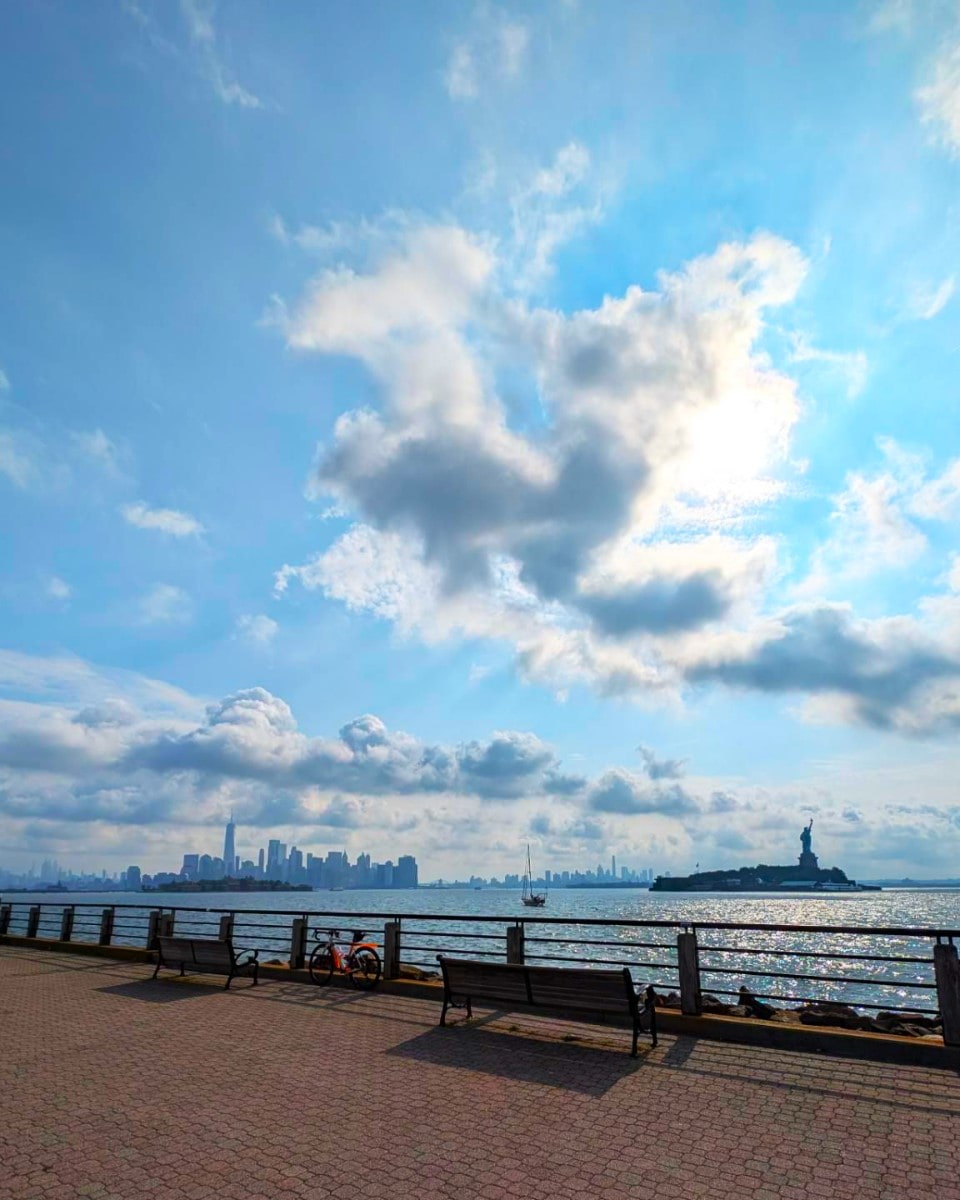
column 712, row 1004
column 755, row 1008
column 670, row 1000
column 737, row 1010
column 407, row 972
column 830, row 1006
column 931, row 1024
column 834, row 1020
column 786, row 1016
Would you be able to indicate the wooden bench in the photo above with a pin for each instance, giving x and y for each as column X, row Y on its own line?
column 199, row 955
column 574, row 989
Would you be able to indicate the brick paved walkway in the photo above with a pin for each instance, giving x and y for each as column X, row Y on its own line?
column 113, row 1086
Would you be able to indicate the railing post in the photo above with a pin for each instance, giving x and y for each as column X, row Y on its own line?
column 167, row 921
column 515, row 943
column 298, row 944
column 153, row 928
column 5, row 911
column 946, row 967
column 226, row 928
column 33, row 921
column 391, row 949
column 688, row 968
column 66, row 923
column 106, row 927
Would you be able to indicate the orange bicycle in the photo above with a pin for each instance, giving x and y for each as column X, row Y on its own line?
column 361, row 962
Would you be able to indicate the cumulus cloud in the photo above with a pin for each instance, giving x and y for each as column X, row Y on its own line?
column 552, row 538
column 888, row 674
column 620, row 791
column 165, row 520
column 660, row 768
column 583, row 531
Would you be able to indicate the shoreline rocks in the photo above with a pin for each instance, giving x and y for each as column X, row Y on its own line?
column 828, row 1014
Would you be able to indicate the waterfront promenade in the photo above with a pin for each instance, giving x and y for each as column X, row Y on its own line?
column 114, row 1086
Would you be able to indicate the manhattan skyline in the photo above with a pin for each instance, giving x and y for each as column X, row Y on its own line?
column 416, row 434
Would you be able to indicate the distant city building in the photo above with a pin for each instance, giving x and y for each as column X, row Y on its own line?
column 405, row 872
column 133, row 879
column 230, row 848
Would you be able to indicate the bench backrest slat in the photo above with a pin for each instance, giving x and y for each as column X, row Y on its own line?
column 560, row 987
column 485, row 981
column 196, row 951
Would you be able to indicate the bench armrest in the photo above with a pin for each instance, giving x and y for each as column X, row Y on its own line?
column 238, row 954
column 646, row 993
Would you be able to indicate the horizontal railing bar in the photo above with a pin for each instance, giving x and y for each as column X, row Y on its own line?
column 612, row 962
column 590, row 942
column 930, row 1012
column 707, row 949
column 494, row 937
column 454, row 950
column 857, row 980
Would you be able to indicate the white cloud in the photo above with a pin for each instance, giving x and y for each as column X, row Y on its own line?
column 927, row 302
column 4, row 381
column 460, row 76
column 165, row 604
column 198, row 15
column 939, row 98
column 16, row 459
column 939, row 499
column 257, row 628
column 538, row 538
column 496, row 49
column 165, row 520
column 892, row 15
column 514, row 39
column 871, row 527
column 851, row 365
column 583, row 536
column 58, row 589
column 97, row 446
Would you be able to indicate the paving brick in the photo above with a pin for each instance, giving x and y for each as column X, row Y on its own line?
column 114, row 1087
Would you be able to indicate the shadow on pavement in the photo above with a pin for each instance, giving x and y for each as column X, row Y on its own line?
column 160, row 993
column 591, row 1071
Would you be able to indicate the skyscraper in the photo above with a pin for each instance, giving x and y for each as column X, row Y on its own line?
column 229, row 848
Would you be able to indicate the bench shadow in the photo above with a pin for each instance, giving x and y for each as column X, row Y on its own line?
column 155, row 992
column 592, row 1071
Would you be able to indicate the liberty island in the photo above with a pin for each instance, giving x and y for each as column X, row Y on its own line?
column 806, row 876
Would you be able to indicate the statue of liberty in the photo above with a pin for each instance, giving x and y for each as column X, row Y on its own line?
column 808, row 859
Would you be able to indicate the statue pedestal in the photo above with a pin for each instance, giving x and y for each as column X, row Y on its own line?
column 808, row 861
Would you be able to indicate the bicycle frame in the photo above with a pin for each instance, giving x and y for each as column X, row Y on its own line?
column 340, row 960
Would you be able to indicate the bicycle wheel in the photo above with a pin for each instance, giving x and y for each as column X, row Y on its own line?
column 321, row 965
column 365, row 969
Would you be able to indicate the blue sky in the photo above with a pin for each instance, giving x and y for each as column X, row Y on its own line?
column 537, row 381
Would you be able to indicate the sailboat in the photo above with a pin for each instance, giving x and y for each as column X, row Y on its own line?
column 529, row 897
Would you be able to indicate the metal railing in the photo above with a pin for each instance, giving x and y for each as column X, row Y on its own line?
column 904, row 970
